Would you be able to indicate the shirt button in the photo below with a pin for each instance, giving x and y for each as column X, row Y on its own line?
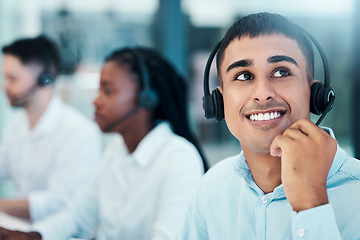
column 300, row 232
column 264, row 200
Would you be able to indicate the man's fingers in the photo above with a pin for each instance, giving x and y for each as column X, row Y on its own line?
column 277, row 144
column 294, row 133
column 306, row 126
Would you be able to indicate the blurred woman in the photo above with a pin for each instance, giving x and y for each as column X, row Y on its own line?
column 149, row 171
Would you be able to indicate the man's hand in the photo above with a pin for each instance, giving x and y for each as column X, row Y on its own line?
column 306, row 153
column 16, row 235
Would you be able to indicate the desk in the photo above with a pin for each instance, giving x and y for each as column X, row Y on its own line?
column 14, row 223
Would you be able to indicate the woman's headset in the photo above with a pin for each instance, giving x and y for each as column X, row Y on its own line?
column 322, row 96
column 148, row 98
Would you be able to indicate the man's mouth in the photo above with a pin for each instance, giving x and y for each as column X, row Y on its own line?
column 266, row 116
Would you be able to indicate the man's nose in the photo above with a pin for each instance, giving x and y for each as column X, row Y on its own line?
column 263, row 90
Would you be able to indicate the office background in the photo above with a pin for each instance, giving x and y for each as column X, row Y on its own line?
column 185, row 31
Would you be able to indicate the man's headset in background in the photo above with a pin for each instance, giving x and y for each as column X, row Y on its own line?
column 147, row 99
column 322, row 96
column 45, row 79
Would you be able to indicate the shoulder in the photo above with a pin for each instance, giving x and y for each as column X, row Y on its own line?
column 179, row 153
column 216, row 184
column 344, row 170
column 221, row 172
column 351, row 167
column 73, row 118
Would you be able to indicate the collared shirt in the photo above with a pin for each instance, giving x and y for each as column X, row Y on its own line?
column 142, row 195
column 229, row 205
column 48, row 163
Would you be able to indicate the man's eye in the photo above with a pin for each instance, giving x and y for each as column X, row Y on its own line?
column 244, row 76
column 281, row 73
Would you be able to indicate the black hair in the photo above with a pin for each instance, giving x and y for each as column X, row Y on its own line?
column 39, row 50
column 265, row 23
column 168, row 84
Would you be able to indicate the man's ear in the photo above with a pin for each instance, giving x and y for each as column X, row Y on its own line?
column 313, row 81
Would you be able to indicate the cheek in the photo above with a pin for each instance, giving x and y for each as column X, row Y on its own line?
column 299, row 102
column 234, row 100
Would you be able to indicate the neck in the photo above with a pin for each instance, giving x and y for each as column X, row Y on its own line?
column 37, row 105
column 265, row 169
column 133, row 135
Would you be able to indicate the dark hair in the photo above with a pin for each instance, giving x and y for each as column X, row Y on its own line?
column 264, row 23
column 168, row 84
column 39, row 50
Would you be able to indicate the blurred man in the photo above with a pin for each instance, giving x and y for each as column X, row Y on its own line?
column 49, row 149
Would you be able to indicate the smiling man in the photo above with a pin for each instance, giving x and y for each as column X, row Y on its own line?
column 292, row 180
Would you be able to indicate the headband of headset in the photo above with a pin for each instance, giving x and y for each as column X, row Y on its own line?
column 148, row 98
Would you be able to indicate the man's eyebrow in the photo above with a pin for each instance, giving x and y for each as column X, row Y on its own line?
column 282, row 58
column 241, row 63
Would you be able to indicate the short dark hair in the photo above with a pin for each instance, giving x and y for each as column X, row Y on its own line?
column 169, row 85
column 265, row 23
column 39, row 50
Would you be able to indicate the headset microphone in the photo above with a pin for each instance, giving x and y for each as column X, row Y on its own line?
column 121, row 120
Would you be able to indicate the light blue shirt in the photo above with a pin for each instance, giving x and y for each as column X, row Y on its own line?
column 229, row 205
column 142, row 195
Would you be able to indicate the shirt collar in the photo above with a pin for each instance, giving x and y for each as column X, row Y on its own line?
column 151, row 144
column 241, row 168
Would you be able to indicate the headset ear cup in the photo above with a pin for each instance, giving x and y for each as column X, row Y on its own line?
column 315, row 87
column 148, row 99
column 208, row 106
column 45, row 79
column 324, row 96
column 218, row 104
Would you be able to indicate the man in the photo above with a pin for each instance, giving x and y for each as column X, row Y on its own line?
column 49, row 149
column 292, row 180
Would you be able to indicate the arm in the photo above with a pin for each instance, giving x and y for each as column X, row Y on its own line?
column 307, row 152
column 75, row 163
column 16, row 235
column 179, row 183
column 79, row 219
column 17, row 208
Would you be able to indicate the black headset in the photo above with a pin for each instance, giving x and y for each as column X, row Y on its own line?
column 148, row 98
column 322, row 96
column 45, row 79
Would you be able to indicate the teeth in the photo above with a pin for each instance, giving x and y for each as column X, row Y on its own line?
column 265, row 117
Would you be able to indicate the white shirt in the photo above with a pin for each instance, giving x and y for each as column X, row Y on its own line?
column 143, row 195
column 50, row 162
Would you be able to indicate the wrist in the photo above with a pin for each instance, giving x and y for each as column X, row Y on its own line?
column 309, row 202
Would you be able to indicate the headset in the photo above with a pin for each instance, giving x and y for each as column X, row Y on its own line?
column 322, row 96
column 147, row 99
column 45, row 79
